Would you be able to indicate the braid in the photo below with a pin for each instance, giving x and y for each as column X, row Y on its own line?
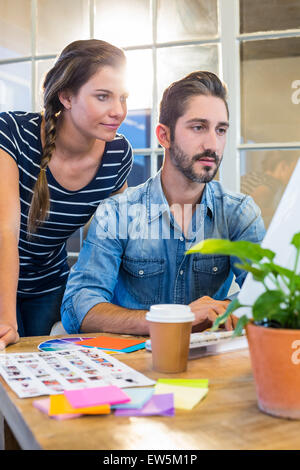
column 40, row 202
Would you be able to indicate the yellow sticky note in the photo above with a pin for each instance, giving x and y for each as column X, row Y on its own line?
column 60, row 405
column 185, row 398
column 200, row 383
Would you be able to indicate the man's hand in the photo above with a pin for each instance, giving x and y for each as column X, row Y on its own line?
column 206, row 311
column 8, row 335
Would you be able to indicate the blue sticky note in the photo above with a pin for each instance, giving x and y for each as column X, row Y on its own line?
column 135, row 347
column 138, row 396
column 157, row 405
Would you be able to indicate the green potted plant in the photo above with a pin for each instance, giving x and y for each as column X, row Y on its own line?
column 273, row 331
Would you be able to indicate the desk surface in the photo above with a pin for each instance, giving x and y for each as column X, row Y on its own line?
column 228, row 418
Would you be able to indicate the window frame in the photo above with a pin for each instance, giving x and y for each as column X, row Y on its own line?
column 228, row 41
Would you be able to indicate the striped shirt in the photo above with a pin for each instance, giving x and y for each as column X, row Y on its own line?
column 43, row 258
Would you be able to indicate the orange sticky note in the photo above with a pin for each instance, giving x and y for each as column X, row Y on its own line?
column 111, row 342
column 60, row 405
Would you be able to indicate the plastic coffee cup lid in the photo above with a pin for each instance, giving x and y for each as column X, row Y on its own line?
column 170, row 313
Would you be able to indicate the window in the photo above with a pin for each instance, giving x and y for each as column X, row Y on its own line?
column 252, row 44
column 269, row 104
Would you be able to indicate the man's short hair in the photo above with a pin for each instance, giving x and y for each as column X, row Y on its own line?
column 176, row 96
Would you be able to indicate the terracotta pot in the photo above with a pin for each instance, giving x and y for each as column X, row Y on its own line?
column 275, row 358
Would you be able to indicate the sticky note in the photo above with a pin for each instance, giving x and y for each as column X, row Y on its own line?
column 185, row 398
column 85, row 397
column 138, row 397
column 44, row 405
column 59, row 405
column 116, row 343
column 201, row 383
column 157, row 405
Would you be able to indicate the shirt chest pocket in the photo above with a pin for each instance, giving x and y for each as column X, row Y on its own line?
column 209, row 273
column 143, row 279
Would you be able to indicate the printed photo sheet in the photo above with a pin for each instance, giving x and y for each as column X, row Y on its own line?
column 49, row 373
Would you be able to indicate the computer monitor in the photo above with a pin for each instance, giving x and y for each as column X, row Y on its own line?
column 285, row 223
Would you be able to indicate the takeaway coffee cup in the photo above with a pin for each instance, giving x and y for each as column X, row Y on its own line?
column 170, row 330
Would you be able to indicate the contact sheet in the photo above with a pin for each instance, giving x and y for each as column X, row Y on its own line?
column 48, row 373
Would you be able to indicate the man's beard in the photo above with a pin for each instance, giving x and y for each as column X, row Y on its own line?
column 186, row 165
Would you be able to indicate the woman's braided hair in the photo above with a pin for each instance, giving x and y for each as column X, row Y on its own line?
column 74, row 67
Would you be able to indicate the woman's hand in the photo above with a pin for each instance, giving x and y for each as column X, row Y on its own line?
column 8, row 335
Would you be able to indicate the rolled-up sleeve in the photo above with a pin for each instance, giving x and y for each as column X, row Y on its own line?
column 93, row 278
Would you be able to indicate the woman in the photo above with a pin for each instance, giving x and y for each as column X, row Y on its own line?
column 55, row 168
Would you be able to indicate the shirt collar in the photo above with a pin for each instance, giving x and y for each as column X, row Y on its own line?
column 156, row 200
column 157, row 203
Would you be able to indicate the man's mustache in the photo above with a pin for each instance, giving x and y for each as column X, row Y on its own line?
column 207, row 154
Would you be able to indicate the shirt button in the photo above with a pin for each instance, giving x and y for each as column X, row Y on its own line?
column 141, row 272
column 215, row 269
column 181, row 272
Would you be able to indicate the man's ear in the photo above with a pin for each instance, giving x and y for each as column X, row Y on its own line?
column 163, row 135
column 64, row 97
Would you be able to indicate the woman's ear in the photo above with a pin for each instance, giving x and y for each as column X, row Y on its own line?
column 64, row 97
column 163, row 135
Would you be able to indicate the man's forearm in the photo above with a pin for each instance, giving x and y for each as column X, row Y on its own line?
column 114, row 319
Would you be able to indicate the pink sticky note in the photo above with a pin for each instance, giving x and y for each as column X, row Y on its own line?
column 44, row 404
column 96, row 396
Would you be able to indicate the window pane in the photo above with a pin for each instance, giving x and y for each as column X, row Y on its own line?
column 181, row 20
column 136, row 128
column 42, row 67
column 15, row 24
column 176, row 62
column 139, row 77
column 141, row 170
column 123, row 23
column 264, row 175
column 55, row 32
column 269, row 82
column 15, row 87
column 269, row 15
column 160, row 160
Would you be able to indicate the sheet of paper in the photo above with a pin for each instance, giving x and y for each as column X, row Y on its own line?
column 116, row 343
column 96, row 396
column 59, row 405
column 185, row 398
column 43, row 404
column 157, row 405
column 138, row 398
column 52, row 372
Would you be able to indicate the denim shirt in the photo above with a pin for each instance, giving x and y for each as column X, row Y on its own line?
column 134, row 253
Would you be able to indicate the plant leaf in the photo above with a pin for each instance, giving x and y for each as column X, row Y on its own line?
column 243, row 320
column 241, row 249
column 296, row 240
column 268, row 305
column 234, row 305
column 258, row 274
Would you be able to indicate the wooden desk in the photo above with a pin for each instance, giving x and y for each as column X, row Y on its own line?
column 228, row 418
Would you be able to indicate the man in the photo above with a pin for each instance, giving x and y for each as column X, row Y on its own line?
column 134, row 254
